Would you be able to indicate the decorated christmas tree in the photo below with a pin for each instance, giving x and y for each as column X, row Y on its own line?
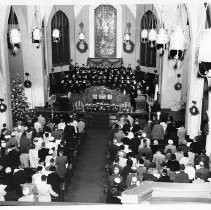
column 20, row 106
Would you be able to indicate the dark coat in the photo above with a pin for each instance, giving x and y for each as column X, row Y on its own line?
column 173, row 165
column 181, row 177
column 13, row 159
column 164, row 179
column 54, row 180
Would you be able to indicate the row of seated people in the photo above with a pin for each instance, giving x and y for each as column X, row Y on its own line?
column 37, row 163
column 134, row 158
column 124, row 79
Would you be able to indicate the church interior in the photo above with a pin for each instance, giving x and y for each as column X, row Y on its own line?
column 105, row 102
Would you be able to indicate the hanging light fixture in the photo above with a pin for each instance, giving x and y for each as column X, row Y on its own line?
column 144, row 31
column 81, row 34
column 152, row 35
column 56, row 34
column 162, row 37
column 14, row 35
column 14, row 31
column 204, row 54
column 36, row 32
column 177, row 39
column 127, row 34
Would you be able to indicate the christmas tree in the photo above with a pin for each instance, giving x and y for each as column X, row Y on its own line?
column 20, row 106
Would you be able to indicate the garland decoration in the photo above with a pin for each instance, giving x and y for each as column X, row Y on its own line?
column 82, row 47
column 194, row 110
column 128, row 46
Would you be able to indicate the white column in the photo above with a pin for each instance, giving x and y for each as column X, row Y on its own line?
column 208, row 138
column 35, row 62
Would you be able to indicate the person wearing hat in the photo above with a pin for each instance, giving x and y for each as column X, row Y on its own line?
column 198, row 179
column 164, row 176
column 43, row 152
column 170, row 146
column 204, row 171
column 181, row 176
column 26, row 196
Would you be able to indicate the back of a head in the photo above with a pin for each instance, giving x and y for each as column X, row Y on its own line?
column 173, row 157
column 185, row 154
column 52, row 168
column 39, row 168
column 198, row 175
column 43, row 178
column 141, row 161
column 182, row 167
column 129, row 162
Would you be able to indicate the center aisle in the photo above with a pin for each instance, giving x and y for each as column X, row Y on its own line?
column 88, row 181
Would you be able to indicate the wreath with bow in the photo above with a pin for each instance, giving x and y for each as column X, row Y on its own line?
column 82, row 47
column 178, row 86
column 194, row 110
column 3, row 106
column 129, row 44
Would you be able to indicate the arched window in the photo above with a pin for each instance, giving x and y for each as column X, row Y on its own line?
column 60, row 50
column 105, row 31
column 148, row 54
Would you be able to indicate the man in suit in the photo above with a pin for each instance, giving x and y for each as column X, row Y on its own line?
column 54, row 180
column 203, row 171
column 13, row 157
column 182, row 177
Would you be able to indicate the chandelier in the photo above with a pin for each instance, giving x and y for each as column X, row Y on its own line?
column 81, row 35
column 127, row 34
column 204, row 54
column 177, row 39
column 162, row 38
column 14, row 35
column 36, row 33
column 152, row 35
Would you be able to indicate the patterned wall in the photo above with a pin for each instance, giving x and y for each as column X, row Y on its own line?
column 105, row 31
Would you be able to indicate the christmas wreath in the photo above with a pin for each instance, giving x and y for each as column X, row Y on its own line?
column 178, row 86
column 3, row 106
column 128, row 46
column 82, row 47
column 194, row 110
column 27, row 84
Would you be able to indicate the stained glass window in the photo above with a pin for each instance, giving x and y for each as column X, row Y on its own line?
column 105, row 31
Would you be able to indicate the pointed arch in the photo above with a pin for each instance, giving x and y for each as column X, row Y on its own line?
column 60, row 50
column 147, row 54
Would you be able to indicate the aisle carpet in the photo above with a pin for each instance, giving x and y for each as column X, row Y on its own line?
column 89, row 176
